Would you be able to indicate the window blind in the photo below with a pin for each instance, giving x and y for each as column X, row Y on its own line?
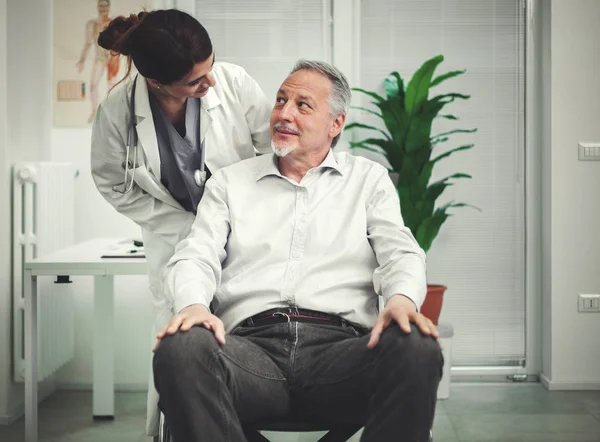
column 480, row 256
column 267, row 37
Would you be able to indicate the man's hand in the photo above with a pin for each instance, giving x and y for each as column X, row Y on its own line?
column 403, row 311
column 190, row 316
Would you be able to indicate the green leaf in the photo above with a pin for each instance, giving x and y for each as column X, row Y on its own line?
column 370, row 111
column 369, row 93
column 365, row 126
column 354, row 145
column 435, row 190
column 429, row 229
column 396, row 120
column 450, row 152
column 388, row 148
column 418, row 86
column 391, row 87
column 438, row 141
column 401, row 93
column 446, row 76
column 452, row 96
column 408, row 210
column 455, row 131
column 447, row 116
column 394, row 87
column 450, row 205
column 457, row 175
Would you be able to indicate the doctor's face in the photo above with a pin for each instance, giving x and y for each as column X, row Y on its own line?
column 195, row 83
column 300, row 121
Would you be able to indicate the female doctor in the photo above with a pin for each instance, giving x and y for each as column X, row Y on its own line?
column 157, row 138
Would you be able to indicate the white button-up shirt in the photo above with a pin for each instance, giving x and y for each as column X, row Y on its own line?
column 332, row 243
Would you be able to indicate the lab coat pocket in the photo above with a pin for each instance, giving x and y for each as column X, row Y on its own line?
column 149, row 183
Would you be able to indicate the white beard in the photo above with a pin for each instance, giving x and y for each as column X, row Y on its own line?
column 282, row 151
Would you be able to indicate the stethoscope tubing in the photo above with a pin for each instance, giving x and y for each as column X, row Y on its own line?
column 131, row 165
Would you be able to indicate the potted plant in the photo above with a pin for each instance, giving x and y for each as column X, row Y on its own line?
column 407, row 143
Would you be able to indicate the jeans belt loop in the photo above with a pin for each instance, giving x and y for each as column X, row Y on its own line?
column 282, row 314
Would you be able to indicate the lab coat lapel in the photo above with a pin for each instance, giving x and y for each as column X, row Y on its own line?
column 145, row 127
column 209, row 101
column 146, row 181
column 148, row 177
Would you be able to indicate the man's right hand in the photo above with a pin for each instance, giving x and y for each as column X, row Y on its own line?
column 195, row 314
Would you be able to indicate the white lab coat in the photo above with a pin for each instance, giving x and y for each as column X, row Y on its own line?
column 234, row 121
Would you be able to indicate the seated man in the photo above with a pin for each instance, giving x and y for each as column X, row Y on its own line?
column 291, row 252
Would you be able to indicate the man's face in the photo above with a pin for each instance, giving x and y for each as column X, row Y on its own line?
column 300, row 121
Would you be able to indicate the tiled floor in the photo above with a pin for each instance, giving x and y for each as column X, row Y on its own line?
column 474, row 413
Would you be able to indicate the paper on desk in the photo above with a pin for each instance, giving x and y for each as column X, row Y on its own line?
column 127, row 251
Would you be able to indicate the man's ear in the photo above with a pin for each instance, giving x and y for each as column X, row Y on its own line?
column 337, row 125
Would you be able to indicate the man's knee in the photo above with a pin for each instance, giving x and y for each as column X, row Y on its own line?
column 420, row 352
column 183, row 351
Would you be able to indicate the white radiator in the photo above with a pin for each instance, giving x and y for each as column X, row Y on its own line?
column 43, row 221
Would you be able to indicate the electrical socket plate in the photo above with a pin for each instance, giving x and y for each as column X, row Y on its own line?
column 588, row 303
column 589, row 151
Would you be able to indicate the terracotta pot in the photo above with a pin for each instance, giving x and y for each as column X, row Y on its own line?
column 432, row 307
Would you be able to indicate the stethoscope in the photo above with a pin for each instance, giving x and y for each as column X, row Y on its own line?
column 132, row 135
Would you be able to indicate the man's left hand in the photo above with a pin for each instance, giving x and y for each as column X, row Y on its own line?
column 403, row 311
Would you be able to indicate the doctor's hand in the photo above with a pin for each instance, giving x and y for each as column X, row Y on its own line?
column 195, row 314
column 402, row 311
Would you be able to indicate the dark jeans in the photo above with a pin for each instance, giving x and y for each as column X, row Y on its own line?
column 300, row 371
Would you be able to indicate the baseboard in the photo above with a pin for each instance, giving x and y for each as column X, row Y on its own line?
column 45, row 389
column 12, row 416
column 569, row 385
column 545, row 381
column 86, row 386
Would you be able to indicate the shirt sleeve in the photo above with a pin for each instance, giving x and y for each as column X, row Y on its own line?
column 194, row 272
column 401, row 261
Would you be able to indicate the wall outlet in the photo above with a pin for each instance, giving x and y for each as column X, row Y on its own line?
column 588, row 303
column 589, row 151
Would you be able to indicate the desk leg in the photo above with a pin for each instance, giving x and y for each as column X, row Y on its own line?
column 104, row 360
column 31, row 356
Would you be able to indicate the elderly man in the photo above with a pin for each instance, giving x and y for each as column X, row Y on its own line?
column 291, row 254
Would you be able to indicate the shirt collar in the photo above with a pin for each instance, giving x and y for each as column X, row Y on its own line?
column 271, row 167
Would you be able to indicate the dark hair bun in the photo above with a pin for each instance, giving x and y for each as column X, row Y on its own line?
column 116, row 35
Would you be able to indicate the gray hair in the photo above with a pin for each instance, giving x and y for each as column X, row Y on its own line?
column 340, row 96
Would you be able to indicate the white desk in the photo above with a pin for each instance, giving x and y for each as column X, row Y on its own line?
column 80, row 259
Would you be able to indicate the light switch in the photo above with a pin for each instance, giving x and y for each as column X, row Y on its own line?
column 589, row 151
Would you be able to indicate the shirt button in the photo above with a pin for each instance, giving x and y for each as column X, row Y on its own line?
column 295, row 255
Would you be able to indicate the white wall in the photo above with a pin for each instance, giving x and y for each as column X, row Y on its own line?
column 4, row 226
column 573, row 206
column 25, row 93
